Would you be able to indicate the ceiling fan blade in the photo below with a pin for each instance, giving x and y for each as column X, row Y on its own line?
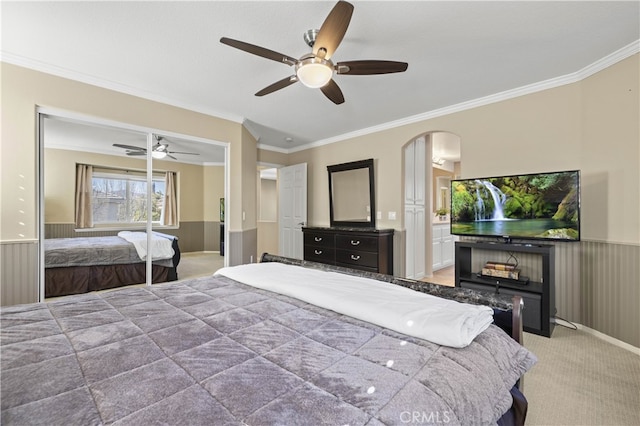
column 178, row 152
column 171, row 156
column 370, row 67
column 259, row 51
column 278, row 85
column 333, row 30
column 137, row 152
column 137, row 148
column 333, row 92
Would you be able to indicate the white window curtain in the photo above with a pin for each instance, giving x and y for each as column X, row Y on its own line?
column 84, row 189
column 170, row 200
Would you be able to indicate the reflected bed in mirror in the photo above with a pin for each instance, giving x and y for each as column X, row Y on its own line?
column 352, row 194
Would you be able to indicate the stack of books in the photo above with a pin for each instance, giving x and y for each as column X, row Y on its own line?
column 501, row 270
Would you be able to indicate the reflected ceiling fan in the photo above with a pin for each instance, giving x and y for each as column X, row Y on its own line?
column 316, row 69
column 160, row 150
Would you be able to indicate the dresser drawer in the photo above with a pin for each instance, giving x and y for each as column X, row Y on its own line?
column 320, row 254
column 364, row 249
column 357, row 258
column 357, row 243
column 319, row 239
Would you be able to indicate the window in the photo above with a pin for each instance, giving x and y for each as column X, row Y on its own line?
column 120, row 197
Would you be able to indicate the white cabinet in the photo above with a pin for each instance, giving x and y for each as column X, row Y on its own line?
column 415, row 173
column 415, row 219
column 443, row 248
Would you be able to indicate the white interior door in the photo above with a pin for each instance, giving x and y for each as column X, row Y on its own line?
column 292, row 209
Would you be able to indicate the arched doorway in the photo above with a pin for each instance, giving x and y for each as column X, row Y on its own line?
column 430, row 162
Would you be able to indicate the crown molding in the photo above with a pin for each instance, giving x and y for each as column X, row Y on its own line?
column 463, row 106
column 609, row 60
column 275, row 148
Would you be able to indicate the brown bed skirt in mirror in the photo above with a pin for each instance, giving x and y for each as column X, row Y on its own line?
column 83, row 279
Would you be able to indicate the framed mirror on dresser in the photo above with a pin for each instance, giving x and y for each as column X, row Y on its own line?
column 352, row 240
column 352, row 195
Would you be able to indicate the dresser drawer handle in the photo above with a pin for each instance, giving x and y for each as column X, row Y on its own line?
column 355, row 257
column 355, row 242
column 318, row 252
column 317, row 239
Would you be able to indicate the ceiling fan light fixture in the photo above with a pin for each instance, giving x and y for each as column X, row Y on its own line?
column 314, row 72
column 158, row 155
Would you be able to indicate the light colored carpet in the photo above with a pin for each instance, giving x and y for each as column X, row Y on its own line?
column 581, row 380
column 199, row 264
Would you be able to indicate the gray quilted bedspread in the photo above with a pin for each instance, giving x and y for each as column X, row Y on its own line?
column 212, row 351
column 64, row 252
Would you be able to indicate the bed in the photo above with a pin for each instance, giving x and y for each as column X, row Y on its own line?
column 84, row 264
column 215, row 350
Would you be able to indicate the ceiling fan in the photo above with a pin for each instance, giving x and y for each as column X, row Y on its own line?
column 316, row 69
column 159, row 151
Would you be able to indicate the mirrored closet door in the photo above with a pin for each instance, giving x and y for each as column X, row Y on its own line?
column 112, row 210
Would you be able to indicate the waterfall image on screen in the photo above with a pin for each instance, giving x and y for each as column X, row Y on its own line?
column 531, row 206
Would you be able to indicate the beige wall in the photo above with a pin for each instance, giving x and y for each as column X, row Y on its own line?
column 609, row 154
column 435, row 190
column 272, row 158
column 23, row 90
column 249, row 211
column 591, row 125
column 213, row 190
column 268, row 200
column 267, row 238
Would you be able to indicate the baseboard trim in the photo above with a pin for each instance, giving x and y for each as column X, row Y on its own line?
column 600, row 335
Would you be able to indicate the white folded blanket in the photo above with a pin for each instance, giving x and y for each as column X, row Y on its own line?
column 441, row 321
column 160, row 247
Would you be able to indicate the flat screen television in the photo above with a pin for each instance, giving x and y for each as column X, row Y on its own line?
column 539, row 206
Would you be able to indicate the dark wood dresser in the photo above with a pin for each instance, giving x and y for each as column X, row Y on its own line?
column 367, row 249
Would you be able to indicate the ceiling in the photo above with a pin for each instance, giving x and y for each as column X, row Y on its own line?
column 458, row 52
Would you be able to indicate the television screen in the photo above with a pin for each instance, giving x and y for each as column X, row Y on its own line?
column 531, row 206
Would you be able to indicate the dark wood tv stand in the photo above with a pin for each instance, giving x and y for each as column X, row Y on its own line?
column 538, row 296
